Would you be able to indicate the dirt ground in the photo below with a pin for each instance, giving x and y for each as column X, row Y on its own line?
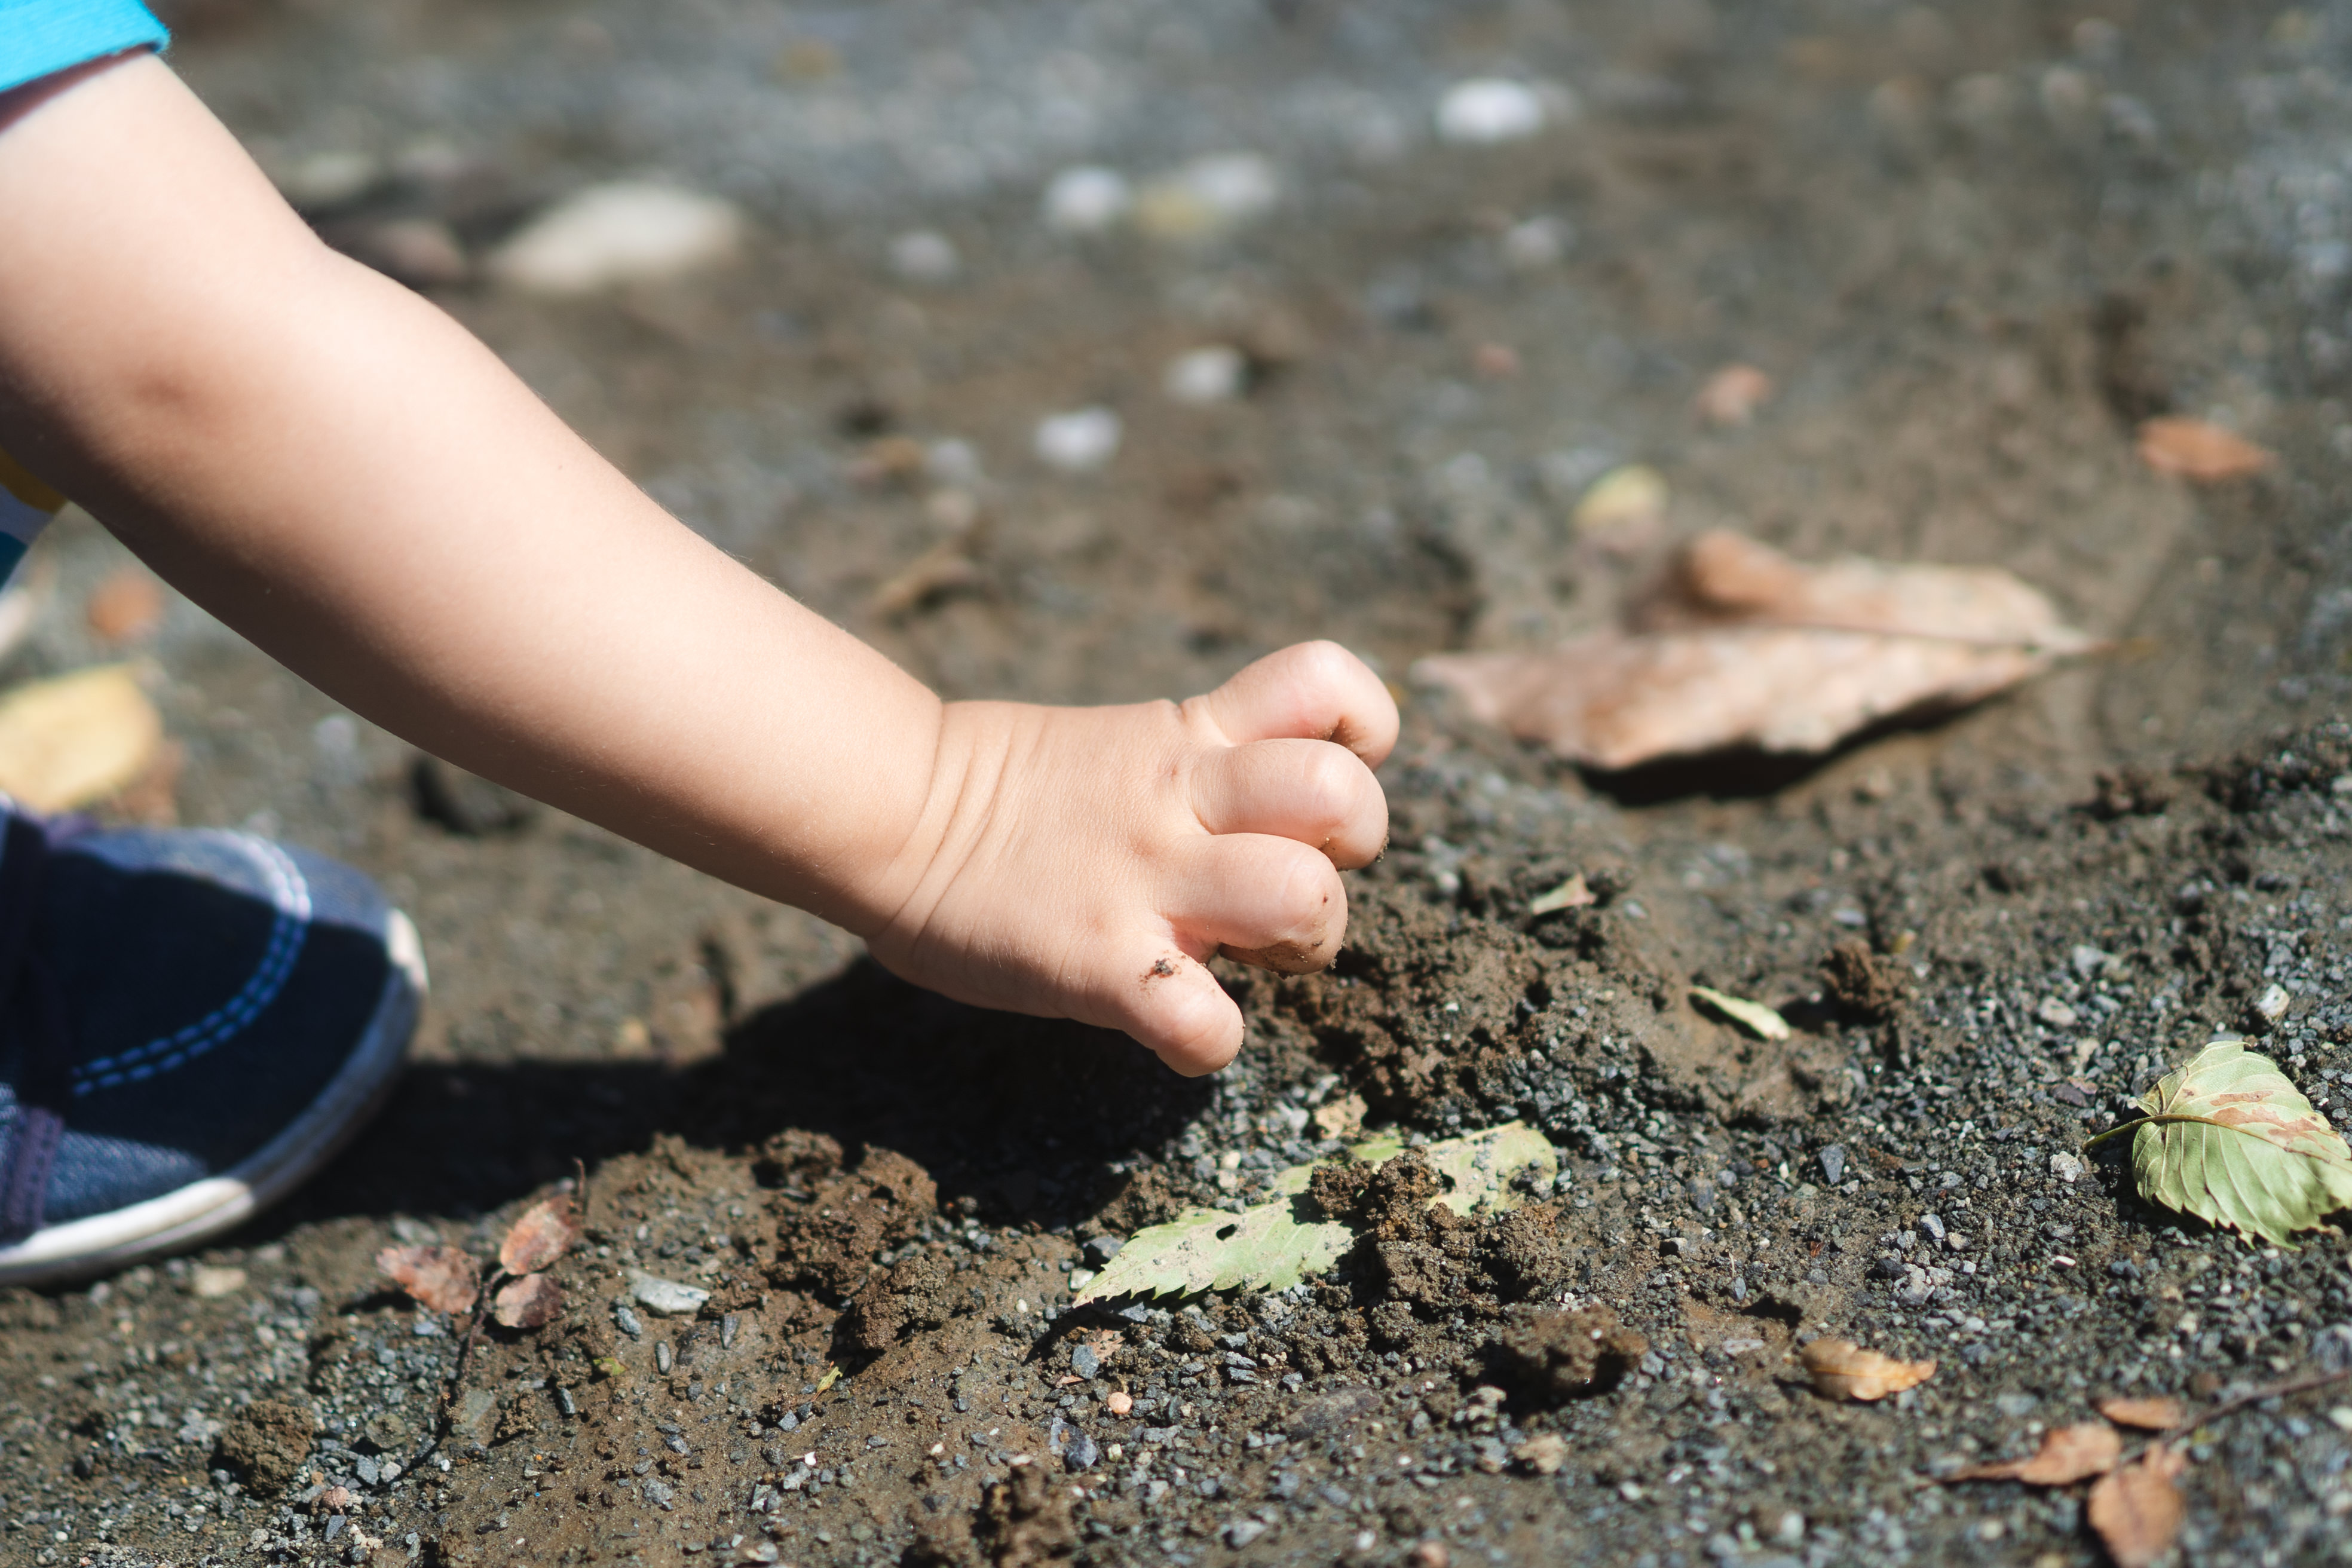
column 1972, row 245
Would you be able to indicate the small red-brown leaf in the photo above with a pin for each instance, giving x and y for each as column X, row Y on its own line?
column 2137, row 1509
column 2069, row 1454
column 2201, row 453
column 545, row 1232
column 2148, row 1414
column 127, row 607
column 528, row 1302
column 1732, row 394
column 441, row 1278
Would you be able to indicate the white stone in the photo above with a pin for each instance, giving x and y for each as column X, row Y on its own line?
column 607, row 236
column 2067, row 1168
column 925, row 256
column 1079, row 440
column 2273, row 1002
column 665, row 1297
column 1087, row 199
column 329, row 179
column 212, row 1282
column 1211, row 375
column 1485, row 110
column 1535, row 244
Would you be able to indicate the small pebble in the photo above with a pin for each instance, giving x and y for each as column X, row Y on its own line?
column 1087, row 199
column 1488, row 110
column 663, row 1357
column 666, row 1297
column 1079, row 441
column 330, row 179
column 1535, row 244
column 1084, row 1362
column 2273, row 1002
column 1833, row 1162
column 925, row 256
column 1211, row 375
column 627, row 1320
column 2066, row 1167
column 1119, row 1404
column 609, row 236
column 210, row 1282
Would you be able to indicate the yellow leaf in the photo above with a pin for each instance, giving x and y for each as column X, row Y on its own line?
column 76, row 739
column 1572, row 894
column 1628, row 496
column 1753, row 1016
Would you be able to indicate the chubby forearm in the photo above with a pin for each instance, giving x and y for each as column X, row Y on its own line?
column 333, row 465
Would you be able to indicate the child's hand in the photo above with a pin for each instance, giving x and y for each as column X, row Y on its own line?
column 1083, row 862
column 332, row 465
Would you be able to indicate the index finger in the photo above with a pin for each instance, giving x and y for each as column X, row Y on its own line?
column 1308, row 691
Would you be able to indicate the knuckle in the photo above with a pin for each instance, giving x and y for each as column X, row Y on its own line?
column 1333, row 788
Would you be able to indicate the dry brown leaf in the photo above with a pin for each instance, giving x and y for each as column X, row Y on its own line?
column 2193, row 450
column 2148, row 1414
column 2069, row 1454
column 441, row 1278
column 1732, row 395
column 1844, row 1370
column 945, row 568
column 1742, row 647
column 76, row 739
column 2137, row 1509
column 546, row 1232
column 126, row 607
column 528, row 1302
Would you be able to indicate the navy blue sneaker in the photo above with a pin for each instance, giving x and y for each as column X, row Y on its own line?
column 191, row 1022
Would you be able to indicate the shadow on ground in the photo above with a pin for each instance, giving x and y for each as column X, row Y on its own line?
column 1016, row 1119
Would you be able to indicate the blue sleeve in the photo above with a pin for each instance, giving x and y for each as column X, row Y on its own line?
column 39, row 38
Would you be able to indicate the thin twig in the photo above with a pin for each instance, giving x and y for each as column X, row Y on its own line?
column 2232, row 1407
column 473, row 1331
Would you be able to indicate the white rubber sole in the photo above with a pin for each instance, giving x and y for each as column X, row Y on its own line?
column 178, row 1219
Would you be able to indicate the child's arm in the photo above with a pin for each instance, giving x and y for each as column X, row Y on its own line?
column 334, row 467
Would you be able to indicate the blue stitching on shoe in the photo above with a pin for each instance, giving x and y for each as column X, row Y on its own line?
column 290, row 893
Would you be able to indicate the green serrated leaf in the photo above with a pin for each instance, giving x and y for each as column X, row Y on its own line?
column 1274, row 1245
column 2229, row 1139
column 1753, row 1016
